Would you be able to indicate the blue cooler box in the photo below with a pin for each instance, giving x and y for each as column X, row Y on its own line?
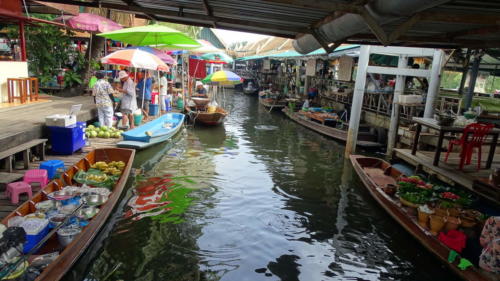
column 67, row 140
column 33, row 238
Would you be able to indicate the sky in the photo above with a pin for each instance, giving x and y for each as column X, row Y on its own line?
column 230, row 37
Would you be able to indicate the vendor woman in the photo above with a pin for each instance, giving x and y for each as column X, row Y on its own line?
column 201, row 92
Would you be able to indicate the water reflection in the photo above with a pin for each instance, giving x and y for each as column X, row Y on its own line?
column 270, row 201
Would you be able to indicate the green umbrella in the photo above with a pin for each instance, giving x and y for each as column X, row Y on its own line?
column 219, row 57
column 153, row 34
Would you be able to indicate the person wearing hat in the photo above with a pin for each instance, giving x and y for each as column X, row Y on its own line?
column 101, row 91
column 201, row 92
column 163, row 92
column 129, row 103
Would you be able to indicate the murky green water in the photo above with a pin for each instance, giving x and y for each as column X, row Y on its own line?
column 260, row 198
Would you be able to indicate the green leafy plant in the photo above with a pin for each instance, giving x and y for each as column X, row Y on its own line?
column 48, row 48
column 415, row 197
column 71, row 79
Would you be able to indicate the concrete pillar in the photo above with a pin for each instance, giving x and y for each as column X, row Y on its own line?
column 357, row 101
column 435, row 80
column 398, row 90
column 472, row 81
column 464, row 72
column 297, row 77
column 306, row 86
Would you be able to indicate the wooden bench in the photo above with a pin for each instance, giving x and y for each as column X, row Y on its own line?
column 25, row 148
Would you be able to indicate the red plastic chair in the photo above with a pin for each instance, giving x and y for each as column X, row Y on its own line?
column 478, row 132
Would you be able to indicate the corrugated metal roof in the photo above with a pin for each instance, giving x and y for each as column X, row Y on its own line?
column 453, row 23
column 294, row 54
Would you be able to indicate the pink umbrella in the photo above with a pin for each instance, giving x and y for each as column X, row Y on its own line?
column 159, row 53
column 90, row 22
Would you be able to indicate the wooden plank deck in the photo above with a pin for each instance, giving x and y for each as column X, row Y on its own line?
column 7, row 207
column 449, row 172
column 20, row 124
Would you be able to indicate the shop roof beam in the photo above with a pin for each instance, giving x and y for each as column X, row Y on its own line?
column 191, row 18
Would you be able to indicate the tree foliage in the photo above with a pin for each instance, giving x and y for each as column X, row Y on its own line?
column 48, row 49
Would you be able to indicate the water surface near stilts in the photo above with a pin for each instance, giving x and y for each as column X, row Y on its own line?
column 268, row 200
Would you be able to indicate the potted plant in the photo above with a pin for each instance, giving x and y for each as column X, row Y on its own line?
column 452, row 223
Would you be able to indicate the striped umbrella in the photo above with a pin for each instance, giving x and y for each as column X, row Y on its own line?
column 159, row 53
column 135, row 58
column 222, row 77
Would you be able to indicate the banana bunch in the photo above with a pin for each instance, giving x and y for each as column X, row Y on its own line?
column 120, row 165
column 101, row 165
column 113, row 171
column 97, row 178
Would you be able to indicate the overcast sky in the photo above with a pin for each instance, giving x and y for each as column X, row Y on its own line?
column 235, row 36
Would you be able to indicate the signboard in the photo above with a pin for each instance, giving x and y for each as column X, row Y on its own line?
column 311, row 67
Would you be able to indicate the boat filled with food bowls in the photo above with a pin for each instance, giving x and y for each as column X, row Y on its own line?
column 45, row 236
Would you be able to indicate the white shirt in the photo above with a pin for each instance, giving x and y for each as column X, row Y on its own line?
column 163, row 86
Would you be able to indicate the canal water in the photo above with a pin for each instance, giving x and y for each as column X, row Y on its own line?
column 260, row 198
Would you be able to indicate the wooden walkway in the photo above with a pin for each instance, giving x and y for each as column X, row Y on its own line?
column 7, row 207
column 449, row 172
column 22, row 123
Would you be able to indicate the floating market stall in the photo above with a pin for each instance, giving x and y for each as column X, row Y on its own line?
column 46, row 235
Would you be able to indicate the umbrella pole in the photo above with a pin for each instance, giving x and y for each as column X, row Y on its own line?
column 143, row 90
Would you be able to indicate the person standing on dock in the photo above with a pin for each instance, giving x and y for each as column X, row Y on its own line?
column 102, row 90
column 144, row 90
column 129, row 103
column 163, row 92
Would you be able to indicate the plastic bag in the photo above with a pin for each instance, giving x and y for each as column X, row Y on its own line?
column 83, row 178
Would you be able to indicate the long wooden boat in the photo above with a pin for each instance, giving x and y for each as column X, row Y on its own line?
column 204, row 117
column 365, row 140
column 153, row 132
column 377, row 174
column 273, row 104
column 70, row 254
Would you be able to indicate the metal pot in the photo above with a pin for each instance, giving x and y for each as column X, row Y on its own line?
column 66, row 234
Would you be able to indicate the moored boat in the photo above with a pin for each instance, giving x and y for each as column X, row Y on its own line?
column 206, row 117
column 153, row 132
column 365, row 139
column 272, row 103
column 75, row 227
column 380, row 178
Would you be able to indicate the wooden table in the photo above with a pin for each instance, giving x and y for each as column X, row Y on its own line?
column 433, row 124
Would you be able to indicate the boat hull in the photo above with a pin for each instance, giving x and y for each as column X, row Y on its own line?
column 209, row 119
column 278, row 105
column 70, row 254
column 364, row 141
column 138, row 139
column 373, row 185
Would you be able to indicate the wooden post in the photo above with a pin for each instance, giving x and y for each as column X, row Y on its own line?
column 472, row 82
column 22, row 40
column 357, row 101
column 398, row 90
column 435, row 79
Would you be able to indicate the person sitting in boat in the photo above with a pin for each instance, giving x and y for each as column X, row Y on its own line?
column 200, row 91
